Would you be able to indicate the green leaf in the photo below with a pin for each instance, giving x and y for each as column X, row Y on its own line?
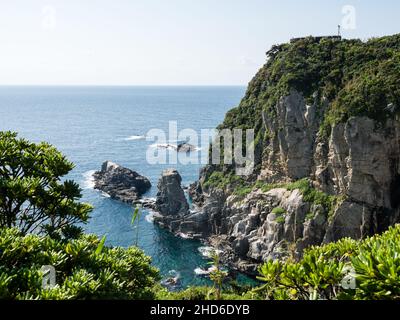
column 135, row 215
column 100, row 246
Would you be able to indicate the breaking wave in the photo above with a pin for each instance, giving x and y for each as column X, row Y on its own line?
column 88, row 182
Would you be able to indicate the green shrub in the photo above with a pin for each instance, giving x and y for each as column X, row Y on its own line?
column 280, row 214
column 377, row 266
column 278, row 211
column 84, row 268
column 319, row 274
column 309, row 216
column 33, row 196
column 203, row 293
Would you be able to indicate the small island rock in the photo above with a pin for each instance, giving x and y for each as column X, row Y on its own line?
column 120, row 183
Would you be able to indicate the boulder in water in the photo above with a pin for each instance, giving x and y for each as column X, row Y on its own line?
column 120, row 183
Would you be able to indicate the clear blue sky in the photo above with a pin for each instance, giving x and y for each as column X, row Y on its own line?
column 166, row 42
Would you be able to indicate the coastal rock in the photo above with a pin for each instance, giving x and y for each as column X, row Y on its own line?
column 120, row 183
column 289, row 154
column 196, row 193
column 180, row 147
column 173, row 209
column 171, row 200
column 185, row 147
column 149, row 203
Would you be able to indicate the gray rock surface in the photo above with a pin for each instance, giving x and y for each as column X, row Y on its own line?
column 171, row 198
column 185, row 147
column 120, row 183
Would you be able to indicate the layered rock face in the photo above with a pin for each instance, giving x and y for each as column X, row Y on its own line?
column 171, row 199
column 358, row 163
column 172, row 208
column 289, row 153
column 120, row 183
column 361, row 161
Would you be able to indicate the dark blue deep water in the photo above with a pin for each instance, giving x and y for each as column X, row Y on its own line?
column 93, row 124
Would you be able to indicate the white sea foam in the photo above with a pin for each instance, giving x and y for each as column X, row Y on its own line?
column 164, row 146
column 88, row 182
column 174, row 273
column 172, row 280
column 150, row 217
column 171, row 146
column 105, row 195
column 207, row 251
column 130, row 138
column 201, row 272
column 184, row 235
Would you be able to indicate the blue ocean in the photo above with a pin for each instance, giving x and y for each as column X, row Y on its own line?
column 93, row 124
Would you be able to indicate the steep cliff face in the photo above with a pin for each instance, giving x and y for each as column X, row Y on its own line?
column 309, row 190
column 325, row 114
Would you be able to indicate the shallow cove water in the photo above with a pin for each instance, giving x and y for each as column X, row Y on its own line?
column 93, row 124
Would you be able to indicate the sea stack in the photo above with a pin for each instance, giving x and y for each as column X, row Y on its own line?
column 171, row 198
column 121, row 183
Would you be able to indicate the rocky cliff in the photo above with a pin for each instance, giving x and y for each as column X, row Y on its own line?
column 327, row 149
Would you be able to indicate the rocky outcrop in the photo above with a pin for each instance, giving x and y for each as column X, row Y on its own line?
column 171, row 200
column 120, row 183
column 180, row 147
column 361, row 161
column 185, row 147
column 172, row 208
column 358, row 164
column 289, row 153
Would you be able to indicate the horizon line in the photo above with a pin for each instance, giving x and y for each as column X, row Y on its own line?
column 123, row 85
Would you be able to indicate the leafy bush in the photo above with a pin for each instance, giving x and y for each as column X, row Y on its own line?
column 378, row 266
column 222, row 180
column 32, row 196
column 319, row 274
column 278, row 211
column 85, row 269
column 280, row 214
column 203, row 293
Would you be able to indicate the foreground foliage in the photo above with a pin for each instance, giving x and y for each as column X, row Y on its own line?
column 348, row 269
column 32, row 196
column 85, row 268
column 371, row 268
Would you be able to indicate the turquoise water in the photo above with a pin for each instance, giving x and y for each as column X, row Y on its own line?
column 93, row 124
